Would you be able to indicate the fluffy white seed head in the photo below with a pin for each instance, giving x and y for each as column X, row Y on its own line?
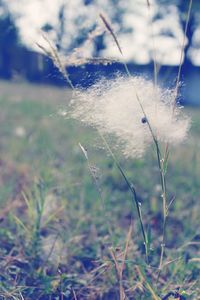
column 112, row 107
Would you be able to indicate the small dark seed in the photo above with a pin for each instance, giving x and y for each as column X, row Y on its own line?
column 144, row 120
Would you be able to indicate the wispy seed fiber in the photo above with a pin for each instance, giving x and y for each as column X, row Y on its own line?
column 112, row 107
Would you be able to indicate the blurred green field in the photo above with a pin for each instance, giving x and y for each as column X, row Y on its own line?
column 39, row 149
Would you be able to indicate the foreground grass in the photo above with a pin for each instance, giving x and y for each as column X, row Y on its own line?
column 64, row 236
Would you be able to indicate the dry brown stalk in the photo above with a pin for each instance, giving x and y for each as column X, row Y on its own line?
column 119, row 260
column 146, row 284
column 111, row 31
column 148, row 3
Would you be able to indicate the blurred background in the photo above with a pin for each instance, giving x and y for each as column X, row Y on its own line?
column 145, row 34
column 59, row 213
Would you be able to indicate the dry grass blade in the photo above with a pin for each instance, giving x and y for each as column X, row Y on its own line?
column 148, row 3
column 156, row 66
column 98, row 188
column 170, row 204
column 84, row 151
column 135, row 197
column 74, row 295
column 147, row 284
column 182, row 51
column 53, row 54
column 126, row 247
column 110, row 30
column 119, row 272
column 120, row 264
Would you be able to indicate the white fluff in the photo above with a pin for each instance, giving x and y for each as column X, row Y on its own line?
column 112, row 107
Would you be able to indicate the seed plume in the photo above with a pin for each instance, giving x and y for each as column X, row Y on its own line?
column 112, row 107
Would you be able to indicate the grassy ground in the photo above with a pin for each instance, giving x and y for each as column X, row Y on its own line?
column 64, row 236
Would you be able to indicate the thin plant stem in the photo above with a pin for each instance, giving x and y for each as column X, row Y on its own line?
column 155, row 67
column 120, row 263
column 158, row 152
column 162, row 171
column 182, row 53
column 98, row 188
column 136, row 201
column 162, row 179
column 53, row 54
column 164, row 202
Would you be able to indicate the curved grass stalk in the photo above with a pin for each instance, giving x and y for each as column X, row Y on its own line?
column 162, row 171
column 161, row 161
column 158, row 152
column 98, row 188
column 135, row 197
column 182, row 53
